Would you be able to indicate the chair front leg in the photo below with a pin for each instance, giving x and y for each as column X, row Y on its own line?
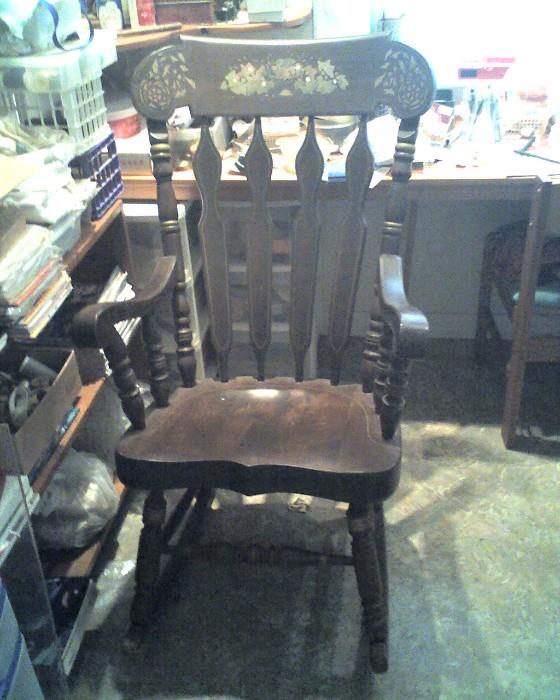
column 365, row 523
column 147, row 568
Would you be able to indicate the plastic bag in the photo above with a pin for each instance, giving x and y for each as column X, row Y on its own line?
column 30, row 26
column 79, row 502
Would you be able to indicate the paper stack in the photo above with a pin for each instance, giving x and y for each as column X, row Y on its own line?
column 33, row 281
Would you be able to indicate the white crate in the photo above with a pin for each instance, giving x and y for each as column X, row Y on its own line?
column 60, row 89
column 80, row 111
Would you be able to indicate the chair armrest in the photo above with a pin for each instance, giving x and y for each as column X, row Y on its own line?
column 93, row 326
column 409, row 325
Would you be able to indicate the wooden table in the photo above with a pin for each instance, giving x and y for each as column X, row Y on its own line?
column 431, row 182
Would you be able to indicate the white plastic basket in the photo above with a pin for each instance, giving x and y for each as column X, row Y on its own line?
column 81, row 111
column 60, row 89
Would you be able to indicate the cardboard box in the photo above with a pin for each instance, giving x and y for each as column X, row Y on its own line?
column 20, row 451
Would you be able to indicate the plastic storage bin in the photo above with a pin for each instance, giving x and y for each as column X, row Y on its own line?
column 61, row 89
column 101, row 163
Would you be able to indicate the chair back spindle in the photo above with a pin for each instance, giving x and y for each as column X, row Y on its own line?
column 359, row 171
column 124, row 377
column 170, row 233
column 382, row 372
column 258, row 164
column 397, row 205
column 305, row 248
column 159, row 375
column 207, row 166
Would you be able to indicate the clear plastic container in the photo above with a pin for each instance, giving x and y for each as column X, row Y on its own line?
column 58, row 71
column 61, row 89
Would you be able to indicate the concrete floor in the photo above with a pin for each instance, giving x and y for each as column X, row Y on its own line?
column 473, row 539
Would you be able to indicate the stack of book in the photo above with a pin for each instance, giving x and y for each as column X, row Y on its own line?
column 33, row 280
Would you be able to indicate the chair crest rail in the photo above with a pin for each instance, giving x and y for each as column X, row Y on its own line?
column 276, row 78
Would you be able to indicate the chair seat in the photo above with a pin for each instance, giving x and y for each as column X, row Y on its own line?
column 258, row 437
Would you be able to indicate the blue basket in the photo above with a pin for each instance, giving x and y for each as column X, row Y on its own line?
column 101, row 164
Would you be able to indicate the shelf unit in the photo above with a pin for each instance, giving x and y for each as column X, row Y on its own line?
column 84, row 403
column 102, row 244
column 150, row 37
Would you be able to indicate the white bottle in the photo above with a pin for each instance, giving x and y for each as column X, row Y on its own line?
column 110, row 15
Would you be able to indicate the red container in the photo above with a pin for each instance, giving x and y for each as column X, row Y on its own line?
column 186, row 11
column 146, row 12
column 125, row 123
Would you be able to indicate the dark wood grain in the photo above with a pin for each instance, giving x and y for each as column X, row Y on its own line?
column 259, row 437
column 159, row 374
column 367, row 546
column 258, row 164
column 147, row 569
column 170, row 232
column 359, row 171
column 397, row 204
column 386, row 355
column 305, row 248
column 207, row 166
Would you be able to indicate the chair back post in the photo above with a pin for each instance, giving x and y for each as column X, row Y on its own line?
column 383, row 372
column 170, row 232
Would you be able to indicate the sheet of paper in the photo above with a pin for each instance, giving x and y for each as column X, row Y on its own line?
column 14, row 169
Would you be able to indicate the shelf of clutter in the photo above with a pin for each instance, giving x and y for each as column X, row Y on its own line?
column 243, row 24
column 63, row 244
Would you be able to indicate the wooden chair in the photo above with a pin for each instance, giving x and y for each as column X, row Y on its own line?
column 514, row 260
column 257, row 435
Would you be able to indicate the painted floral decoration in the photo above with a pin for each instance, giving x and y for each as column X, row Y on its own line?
column 167, row 79
column 404, row 79
column 284, row 77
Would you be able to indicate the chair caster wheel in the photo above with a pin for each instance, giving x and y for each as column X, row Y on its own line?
column 378, row 657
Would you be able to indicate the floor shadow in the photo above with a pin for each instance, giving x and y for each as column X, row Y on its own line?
column 253, row 631
column 249, row 632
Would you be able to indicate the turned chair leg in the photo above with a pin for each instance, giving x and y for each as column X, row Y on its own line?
column 147, row 568
column 366, row 525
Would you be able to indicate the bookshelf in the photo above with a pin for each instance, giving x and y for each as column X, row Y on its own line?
column 102, row 245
